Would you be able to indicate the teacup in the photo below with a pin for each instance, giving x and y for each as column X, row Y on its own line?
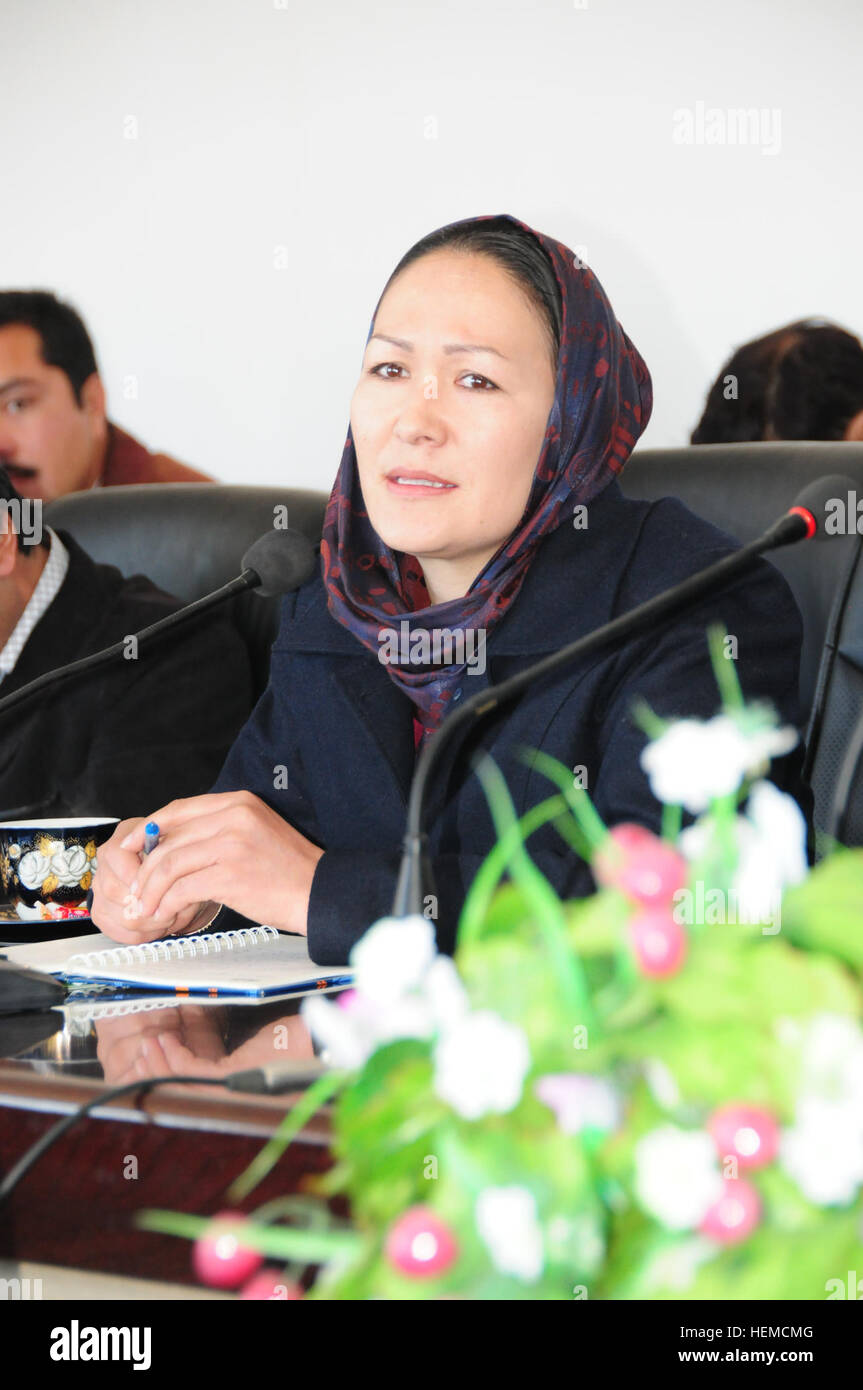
column 47, row 866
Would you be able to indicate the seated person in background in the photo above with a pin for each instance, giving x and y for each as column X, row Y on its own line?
column 153, row 726
column 801, row 382
column 54, row 434
column 487, row 506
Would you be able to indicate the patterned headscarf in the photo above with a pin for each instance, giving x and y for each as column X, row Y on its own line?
column 602, row 403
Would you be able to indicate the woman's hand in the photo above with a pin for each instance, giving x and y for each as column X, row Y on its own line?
column 226, row 847
column 131, row 1046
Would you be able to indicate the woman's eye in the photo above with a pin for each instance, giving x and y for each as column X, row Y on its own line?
column 384, row 367
column 15, row 406
column 487, row 385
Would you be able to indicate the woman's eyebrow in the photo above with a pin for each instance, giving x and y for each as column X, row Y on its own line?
column 449, row 348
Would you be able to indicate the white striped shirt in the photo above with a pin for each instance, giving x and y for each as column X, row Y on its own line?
column 38, row 604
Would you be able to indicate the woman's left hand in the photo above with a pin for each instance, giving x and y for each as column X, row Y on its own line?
column 230, row 848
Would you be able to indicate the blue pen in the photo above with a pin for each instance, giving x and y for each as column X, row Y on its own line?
column 151, row 839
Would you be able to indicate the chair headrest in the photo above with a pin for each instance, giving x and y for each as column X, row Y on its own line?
column 188, row 538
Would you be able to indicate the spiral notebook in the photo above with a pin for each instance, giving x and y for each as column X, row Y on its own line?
column 254, row 962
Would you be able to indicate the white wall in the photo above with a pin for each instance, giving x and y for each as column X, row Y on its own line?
column 300, row 125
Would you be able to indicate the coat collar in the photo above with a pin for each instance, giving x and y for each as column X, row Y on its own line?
column 569, row 590
column 570, row 585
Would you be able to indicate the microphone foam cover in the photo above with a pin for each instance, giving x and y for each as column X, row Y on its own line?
column 283, row 561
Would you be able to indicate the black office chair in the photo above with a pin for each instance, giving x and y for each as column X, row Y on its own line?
column 189, row 538
column 743, row 488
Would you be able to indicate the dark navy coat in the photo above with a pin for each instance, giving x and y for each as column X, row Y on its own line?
column 334, row 719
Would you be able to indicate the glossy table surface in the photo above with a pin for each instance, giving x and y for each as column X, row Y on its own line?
column 182, row 1143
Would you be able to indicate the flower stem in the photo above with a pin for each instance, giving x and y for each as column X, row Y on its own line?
column 313, row 1098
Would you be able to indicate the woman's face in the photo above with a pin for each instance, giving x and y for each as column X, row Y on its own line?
column 449, row 414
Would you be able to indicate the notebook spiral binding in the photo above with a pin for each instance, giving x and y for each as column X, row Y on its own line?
column 172, row 948
column 80, row 1014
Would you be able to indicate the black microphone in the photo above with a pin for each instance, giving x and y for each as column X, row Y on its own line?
column 804, row 520
column 276, row 563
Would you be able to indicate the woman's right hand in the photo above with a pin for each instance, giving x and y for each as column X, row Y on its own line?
column 117, row 912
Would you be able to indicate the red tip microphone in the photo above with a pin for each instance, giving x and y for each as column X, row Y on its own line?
column 819, row 502
column 806, row 519
column 809, row 519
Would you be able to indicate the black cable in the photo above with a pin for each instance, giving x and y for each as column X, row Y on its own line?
column 50, row 1137
column 254, row 1080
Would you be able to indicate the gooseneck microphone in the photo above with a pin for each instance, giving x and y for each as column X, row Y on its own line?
column 276, row 563
column 804, row 520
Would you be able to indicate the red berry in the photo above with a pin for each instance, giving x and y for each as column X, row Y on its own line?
column 735, row 1215
column 751, row 1135
column 218, row 1257
column 646, row 869
column 420, row 1245
column 659, row 943
column 271, row 1284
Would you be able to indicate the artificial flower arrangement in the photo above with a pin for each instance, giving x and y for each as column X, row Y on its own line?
column 653, row 1092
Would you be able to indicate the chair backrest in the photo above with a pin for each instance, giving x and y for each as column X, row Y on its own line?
column 743, row 488
column 189, row 538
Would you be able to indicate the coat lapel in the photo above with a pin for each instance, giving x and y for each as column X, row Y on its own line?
column 569, row 590
column 384, row 714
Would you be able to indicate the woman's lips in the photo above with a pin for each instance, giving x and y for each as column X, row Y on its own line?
column 418, row 485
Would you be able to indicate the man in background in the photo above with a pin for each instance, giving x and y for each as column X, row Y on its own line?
column 55, row 436
column 804, row 381
column 150, row 727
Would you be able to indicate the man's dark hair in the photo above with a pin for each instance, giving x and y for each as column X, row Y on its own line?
column 804, row 381
column 9, row 493
column 65, row 341
column 516, row 250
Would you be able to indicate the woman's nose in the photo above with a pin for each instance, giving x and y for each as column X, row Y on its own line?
column 420, row 414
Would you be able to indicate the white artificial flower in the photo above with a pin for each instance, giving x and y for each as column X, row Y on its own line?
column 694, row 841
column 832, row 1060
column 353, row 1027
column 677, row 1177
column 772, row 849
column 506, row 1218
column 580, row 1102
column 480, row 1064
column 392, row 957
column 402, row 989
column 823, row 1150
column 347, row 1040
column 444, row 993
column 695, row 761
column 409, row 1017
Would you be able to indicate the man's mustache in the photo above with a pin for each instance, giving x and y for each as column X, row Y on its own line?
column 20, row 470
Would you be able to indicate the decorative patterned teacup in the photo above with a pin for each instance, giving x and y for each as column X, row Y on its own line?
column 47, row 865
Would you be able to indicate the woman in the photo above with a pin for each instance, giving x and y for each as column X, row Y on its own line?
column 498, row 400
